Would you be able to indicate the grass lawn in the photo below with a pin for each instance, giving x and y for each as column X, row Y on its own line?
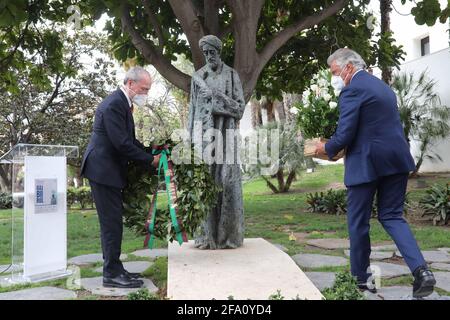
column 271, row 216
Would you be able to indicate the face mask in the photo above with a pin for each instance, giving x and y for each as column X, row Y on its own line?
column 337, row 82
column 140, row 99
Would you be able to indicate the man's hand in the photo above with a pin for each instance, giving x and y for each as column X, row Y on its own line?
column 155, row 161
column 320, row 149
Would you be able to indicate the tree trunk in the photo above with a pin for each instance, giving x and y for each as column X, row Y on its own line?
column 5, row 177
column 255, row 106
column 279, row 111
column 270, row 185
column 385, row 10
column 290, row 178
column 267, row 104
column 280, row 179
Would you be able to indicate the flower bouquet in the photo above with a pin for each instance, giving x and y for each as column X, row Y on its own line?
column 317, row 113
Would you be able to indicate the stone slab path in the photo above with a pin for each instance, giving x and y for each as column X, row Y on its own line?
column 40, row 293
column 309, row 260
column 95, row 286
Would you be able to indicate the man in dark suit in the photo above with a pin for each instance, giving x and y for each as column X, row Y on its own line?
column 105, row 161
column 377, row 161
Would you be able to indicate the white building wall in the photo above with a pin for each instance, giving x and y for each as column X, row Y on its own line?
column 408, row 34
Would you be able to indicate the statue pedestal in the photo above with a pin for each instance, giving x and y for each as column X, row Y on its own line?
column 254, row 271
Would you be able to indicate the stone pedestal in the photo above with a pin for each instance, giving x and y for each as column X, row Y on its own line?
column 254, row 271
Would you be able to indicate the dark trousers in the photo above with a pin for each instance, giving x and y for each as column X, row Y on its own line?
column 391, row 198
column 108, row 201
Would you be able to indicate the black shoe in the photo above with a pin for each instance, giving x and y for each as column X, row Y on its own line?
column 424, row 282
column 133, row 275
column 363, row 287
column 121, row 281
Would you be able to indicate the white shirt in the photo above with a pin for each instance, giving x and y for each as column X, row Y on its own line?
column 126, row 95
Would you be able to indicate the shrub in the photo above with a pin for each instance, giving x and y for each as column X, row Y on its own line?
column 345, row 287
column 436, row 202
column 331, row 202
column 81, row 195
column 142, row 294
column 335, row 202
column 5, row 200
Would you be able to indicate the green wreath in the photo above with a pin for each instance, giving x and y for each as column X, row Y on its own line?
column 196, row 196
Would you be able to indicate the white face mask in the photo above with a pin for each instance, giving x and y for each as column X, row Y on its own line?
column 337, row 82
column 140, row 100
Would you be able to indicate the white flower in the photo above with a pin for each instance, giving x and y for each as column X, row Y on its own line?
column 316, row 76
column 333, row 104
column 327, row 97
column 323, row 83
column 293, row 110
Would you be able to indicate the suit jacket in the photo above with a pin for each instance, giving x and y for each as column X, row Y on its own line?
column 113, row 143
column 369, row 127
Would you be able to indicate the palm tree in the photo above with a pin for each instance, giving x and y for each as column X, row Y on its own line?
column 424, row 118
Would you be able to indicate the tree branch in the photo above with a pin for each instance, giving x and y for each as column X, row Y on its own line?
column 283, row 36
column 185, row 12
column 155, row 24
column 151, row 54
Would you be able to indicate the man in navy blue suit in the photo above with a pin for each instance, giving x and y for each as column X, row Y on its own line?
column 112, row 145
column 377, row 161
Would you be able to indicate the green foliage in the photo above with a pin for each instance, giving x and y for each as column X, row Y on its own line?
column 318, row 114
column 331, row 202
column 5, row 200
column 345, row 287
column 335, row 202
column 196, row 192
column 423, row 116
column 81, row 196
column 436, row 202
column 276, row 296
column 142, row 294
column 284, row 152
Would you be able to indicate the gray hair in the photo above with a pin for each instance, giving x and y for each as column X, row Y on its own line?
column 135, row 74
column 344, row 56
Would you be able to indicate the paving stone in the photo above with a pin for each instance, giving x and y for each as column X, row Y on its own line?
column 281, row 247
column 386, row 247
column 442, row 280
column 322, row 280
column 92, row 258
column 133, row 266
column 329, row 244
column 154, row 253
column 95, row 286
column 398, row 293
column 40, row 293
column 376, row 255
column 432, row 256
column 307, row 260
column 441, row 266
column 390, row 270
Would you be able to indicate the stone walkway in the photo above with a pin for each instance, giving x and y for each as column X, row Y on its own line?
column 385, row 262
column 92, row 285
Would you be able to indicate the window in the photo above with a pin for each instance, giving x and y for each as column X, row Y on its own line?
column 425, row 46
